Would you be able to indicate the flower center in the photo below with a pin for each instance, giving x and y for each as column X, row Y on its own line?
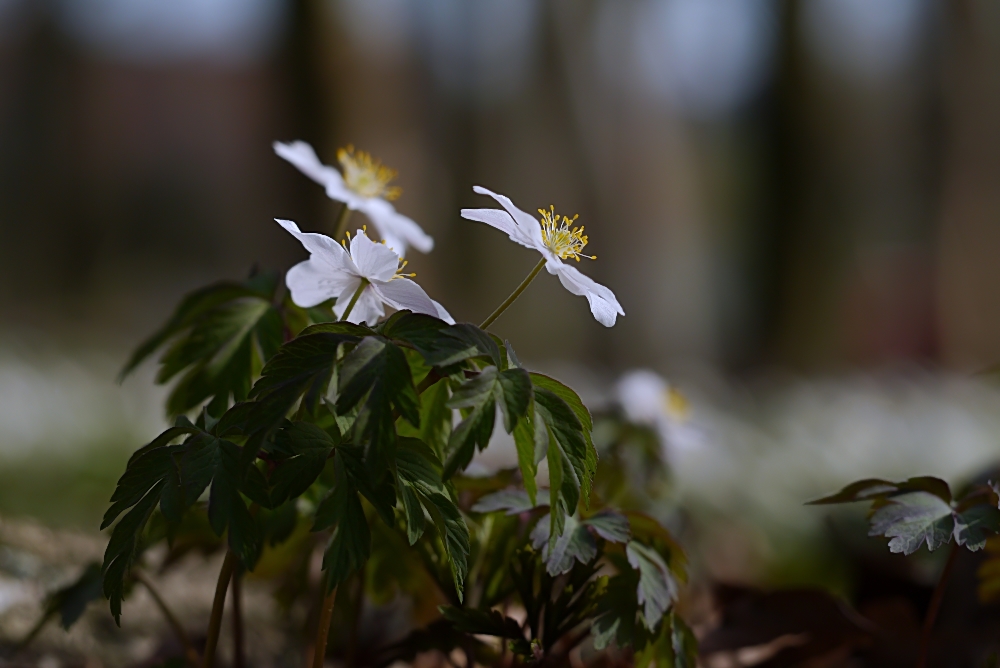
column 366, row 176
column 562, row 239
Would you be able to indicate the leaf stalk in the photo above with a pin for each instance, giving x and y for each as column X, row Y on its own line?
column 215, row 621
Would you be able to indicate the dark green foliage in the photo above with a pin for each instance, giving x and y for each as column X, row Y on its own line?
column 334, row 425
column 922, row 511
column 220, row 337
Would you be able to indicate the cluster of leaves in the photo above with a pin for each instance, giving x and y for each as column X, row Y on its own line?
column 923, row 511
column 359, row 434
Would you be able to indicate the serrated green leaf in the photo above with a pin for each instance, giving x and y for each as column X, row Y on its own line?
column 566, row 455
column 913, row 519
column 350, row 543
column 975, row 525
column 376, row 373
column 418, row 473
column 301, row 368
column 310, row 447
column 657, row 588
column 122, row 548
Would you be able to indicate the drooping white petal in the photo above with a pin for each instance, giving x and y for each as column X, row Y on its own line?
column 302, row 155
column 398, row 231
column 603, row 303
column 322, row 248
column 312, row 282
column 443, row 313
column 402, row 293
column 529, row 229
column 368, row 309
column 376, row 262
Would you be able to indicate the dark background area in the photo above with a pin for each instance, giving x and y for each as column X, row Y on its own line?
column 767, row 184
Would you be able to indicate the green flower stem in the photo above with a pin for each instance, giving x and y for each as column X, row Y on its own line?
column 215, row 621
column 354, row 299
column 341, row 225
column 323, row 630
column 514, row 295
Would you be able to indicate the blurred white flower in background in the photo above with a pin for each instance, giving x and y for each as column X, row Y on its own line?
column 648, row 399
column 364, row 186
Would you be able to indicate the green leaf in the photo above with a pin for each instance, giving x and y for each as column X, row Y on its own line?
column 418, row 473
column 531, row 439
column 301, row 368
column 377, row 373
column 310, row 447
column 657, row 588
column 195, row 305
column 226, row 508
column 913, row 519
column 567, row 453
column 874, row 488
column 482, row 622
column 617, row 609
column 578, row 540
column 511, row 389
column 219, row 339
column 350, row 543
column 511, row 501
column 573, row 400
column 975, row 525
column 123, row 548
column 673, row 647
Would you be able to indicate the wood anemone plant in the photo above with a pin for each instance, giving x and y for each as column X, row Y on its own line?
column 294, row 432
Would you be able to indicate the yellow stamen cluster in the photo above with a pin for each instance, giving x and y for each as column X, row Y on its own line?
column 677, row 405
column 561, row 238
column 366, row 176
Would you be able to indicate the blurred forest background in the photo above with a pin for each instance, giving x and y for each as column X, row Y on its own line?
column 795, row 202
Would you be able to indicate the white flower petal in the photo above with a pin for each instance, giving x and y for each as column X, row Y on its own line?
column 603, row 303
column 398, row 231
column 368, row 308
column 375, row 261
column 442, row 313
column 528, row 227
column 305, row 159
column 322, row 248
column 402, row 293
column 502, row 221
column 312, row 283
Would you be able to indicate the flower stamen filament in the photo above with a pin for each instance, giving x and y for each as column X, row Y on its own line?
column 560, row 237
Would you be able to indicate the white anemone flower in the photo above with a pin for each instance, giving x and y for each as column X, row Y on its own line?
column 555, row 238
column 648, row 399
column 333, row 271
column 364, row 186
